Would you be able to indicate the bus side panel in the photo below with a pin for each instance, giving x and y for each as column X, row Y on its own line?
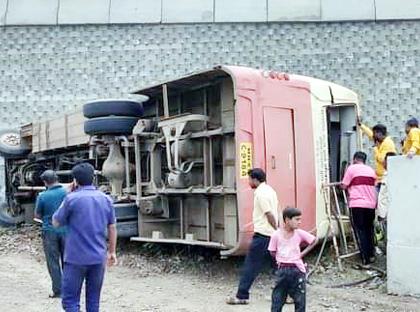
column 294, row 96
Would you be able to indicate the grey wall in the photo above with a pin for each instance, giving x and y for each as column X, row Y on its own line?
column 46, row 70
column 61, row 12
column 403, row 229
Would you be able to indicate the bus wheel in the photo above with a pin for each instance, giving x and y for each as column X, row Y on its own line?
column 11, row 145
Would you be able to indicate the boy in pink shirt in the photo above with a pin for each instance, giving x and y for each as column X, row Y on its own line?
column 284, row 246
column 359, row 181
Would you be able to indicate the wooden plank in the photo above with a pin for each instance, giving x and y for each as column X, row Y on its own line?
column 230, row 220
column 47, row 135
column 42, row 137
column 179, row 241
column 26, row 130
column 59, row 133
column 66, row 130
column 76, row 118
column 80, row 140
column 35, row 138
column 56, row 133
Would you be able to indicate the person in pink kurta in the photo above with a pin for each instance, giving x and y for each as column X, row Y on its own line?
column 359, row 180
column 285, row 246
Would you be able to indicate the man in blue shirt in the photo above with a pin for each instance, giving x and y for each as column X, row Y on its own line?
column 53, row 239
column 88, row 214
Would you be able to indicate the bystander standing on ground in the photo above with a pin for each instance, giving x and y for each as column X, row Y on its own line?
column 265, row 220
column 53, row 239
column 411, row 145
column 383, row 198
column 88, row 214
column 383, row 145
column 285, row 247
column 359, row 180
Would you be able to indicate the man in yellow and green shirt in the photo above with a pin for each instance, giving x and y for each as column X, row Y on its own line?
column 383, row 145
column 411, row 144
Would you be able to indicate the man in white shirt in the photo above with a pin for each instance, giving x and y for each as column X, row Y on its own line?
column 383, row 198
column 265, row 220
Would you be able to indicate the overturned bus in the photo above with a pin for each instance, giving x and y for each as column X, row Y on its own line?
column 175, row 159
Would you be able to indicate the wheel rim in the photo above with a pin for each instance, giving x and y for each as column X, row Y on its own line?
column 10, row 139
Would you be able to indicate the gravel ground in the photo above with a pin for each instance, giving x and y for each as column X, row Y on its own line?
column 167, row 278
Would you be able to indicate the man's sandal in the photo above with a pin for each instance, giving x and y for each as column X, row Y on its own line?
column 234, row 300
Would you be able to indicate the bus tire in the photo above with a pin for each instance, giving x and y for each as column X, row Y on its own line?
column 112, row 125
column 103, row 108
column 11, row 145
column 7, row 220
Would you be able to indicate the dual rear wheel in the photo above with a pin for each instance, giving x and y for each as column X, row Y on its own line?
column 113, row 117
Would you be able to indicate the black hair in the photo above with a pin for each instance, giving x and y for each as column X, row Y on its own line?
column 290, row 213
column 380, row 128
column 258, row 174
column 360, row 156
column 412, row 123
column 390, row 154
column 49, row 176
column 83, row 173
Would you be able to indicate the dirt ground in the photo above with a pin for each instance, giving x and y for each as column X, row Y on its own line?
column 149, row 280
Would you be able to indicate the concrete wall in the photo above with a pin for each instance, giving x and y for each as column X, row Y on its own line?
column 47, row 70
column 62, row 12
column 403, row 254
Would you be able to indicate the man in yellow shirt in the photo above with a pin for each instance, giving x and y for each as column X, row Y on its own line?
column 383, row 145
column 411, row 144
column 265, row 220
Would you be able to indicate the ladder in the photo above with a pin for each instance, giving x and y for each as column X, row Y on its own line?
column 336, row 215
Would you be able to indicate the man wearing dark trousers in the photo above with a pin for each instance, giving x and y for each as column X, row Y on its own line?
column 265, row 220
column 52, row 239
column 359, row 180
column 88, row 214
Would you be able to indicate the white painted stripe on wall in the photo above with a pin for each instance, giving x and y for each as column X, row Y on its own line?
column 52, row 12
